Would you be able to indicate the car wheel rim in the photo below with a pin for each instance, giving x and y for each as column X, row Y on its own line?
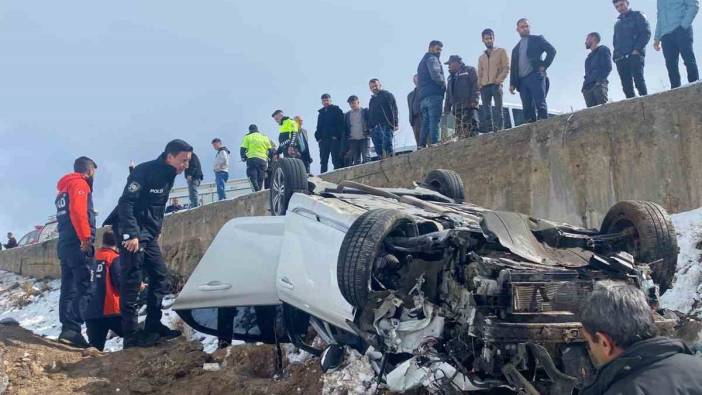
column 278, row 188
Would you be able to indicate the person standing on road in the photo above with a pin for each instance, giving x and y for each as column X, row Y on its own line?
column 493, row 67
column 432, row 86
column 194, row 176
column 255, row 150
column 462, row 92
column 329, row 134
column 138, row 219
column 415, row 114
column 304, row 143
column 382, row 118
column 631, row 35
column 598, row 65
column 11, row 241
column 221, row 168
column 76, row 228
column 528, row 71
column 103, row 312
column 674, row 31
column 287, row 137
column 356, row 132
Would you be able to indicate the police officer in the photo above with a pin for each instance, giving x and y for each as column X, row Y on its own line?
column 255, row 150
column 138, row 218
column 288, row 135
column 102, row 312
column 76, row 227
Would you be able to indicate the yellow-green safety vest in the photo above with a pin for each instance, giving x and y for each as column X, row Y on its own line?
column 256, row 145
column 289, row 126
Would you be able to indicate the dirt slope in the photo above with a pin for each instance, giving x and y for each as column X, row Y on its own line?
column 35, row 365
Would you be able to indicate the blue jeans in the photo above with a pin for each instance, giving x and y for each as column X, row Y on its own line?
column 221, row 178
column 382, row 140
column 532, row 90
column 430, row 108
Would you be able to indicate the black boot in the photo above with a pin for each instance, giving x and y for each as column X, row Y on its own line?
column 163, row 331
column 141, row 339
column 73, row 338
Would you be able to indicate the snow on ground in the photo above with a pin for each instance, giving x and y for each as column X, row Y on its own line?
column 355, row 376
column 686, row 294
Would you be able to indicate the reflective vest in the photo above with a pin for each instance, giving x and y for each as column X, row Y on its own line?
column 256, row 145
column 288, row 127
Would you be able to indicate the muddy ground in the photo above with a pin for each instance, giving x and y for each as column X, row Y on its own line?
column 31, row 364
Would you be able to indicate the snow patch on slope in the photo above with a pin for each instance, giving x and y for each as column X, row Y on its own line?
column 686, row 294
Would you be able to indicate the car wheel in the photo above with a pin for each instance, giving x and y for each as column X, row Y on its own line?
column 288, row 177
column 362, row 245
column 652, row 237
column 447, row 183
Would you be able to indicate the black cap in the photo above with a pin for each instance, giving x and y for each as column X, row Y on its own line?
column 253, row 128
column 454, row 58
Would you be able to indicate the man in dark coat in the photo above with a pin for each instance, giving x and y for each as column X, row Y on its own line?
column 528, row 71
column 598, row 65
column 462, row 93
column 138, row 219
column 632, row 33
column 415, row 114
column 621, row 335
column 383, row 119
column 194, row 176
column 329, row 134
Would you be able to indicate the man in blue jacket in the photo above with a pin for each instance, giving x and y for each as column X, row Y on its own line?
column 528, row 71
column 674, row 31
column 432, row 86
column 598, row 65
column 631, row 35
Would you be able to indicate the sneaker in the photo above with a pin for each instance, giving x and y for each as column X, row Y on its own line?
column 141, row 339
column 73, row 338
column 163, row 331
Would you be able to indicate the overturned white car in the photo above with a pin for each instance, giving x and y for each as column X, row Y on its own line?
column 438, row 293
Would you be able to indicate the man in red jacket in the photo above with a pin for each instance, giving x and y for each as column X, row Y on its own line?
column 76, row 227
column 103, row 313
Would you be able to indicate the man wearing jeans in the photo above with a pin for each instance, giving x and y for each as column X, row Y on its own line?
column 432, row 86
column 193, row 175
column 598, row 65
column 382, row 118
column 674, row 31
column 493, row 67
column 221, row 167
column 529, row 71
column 631, row 35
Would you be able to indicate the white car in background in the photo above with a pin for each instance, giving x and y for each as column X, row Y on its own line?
column 436, row 292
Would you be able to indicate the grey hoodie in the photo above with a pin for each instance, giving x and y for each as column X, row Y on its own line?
column 221, row 162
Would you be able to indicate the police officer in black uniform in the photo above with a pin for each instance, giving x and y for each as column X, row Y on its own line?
column 138, row 218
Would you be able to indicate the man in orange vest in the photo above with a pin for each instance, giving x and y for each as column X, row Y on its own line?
column 102, row 311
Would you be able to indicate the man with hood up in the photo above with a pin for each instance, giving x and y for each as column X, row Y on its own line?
column 76, row 228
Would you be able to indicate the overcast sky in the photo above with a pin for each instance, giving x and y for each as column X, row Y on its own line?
column 117, row 80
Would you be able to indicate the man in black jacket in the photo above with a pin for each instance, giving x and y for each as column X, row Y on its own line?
column 138, row 218
column 329, row 134
column 415, row 114
column 528, row 71
column 462, row 92
column 598, row 65
column 194, row 176
column 632, row 33
column 621, row 337
column 382, row 118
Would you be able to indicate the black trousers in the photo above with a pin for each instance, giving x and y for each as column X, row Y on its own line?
column 256, row 171
column 98, row 329
column 631, row 72
column 330, row 147
column 676, row 44
column 75, row 282
column 596, row 94
column 357, row 152
column 148, row 260
column 533, row 90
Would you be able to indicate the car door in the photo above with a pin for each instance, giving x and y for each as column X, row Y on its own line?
column 235, row 280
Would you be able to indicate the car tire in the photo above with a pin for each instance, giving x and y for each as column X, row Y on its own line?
column 654, row 238
column 288, row 177
column 447, row 183
column 362, row 245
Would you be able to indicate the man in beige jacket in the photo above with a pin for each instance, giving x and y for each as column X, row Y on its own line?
column 493, row 67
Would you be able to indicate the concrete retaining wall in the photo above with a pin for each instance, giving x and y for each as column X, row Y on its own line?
column 570, row 168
